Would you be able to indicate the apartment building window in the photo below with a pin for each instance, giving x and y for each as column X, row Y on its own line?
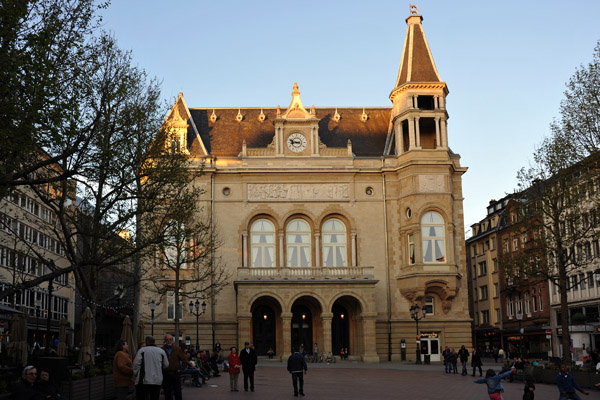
column 485, row 317
column 590, row 279
column 486, row 245
column 523, row 240
column 495, row 264
column 596, row 248
column 515, row 244
column 429, row 306
column 588, row 251
column 534, row 301
column 493, row 243
column 582, row 281
column 510, row 310
column 497, row 315
column 505, row 245
column 495, row 290
column 483, row 290
column 541, row 302
column 482, row 268
column 574, row 282
column 519, row 303
column 527, row 304
column 433, row 238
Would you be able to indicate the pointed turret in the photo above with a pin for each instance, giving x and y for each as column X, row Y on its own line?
column 418, row 118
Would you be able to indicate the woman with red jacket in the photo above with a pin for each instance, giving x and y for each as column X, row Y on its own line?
column 122, row 370
column 234, row 368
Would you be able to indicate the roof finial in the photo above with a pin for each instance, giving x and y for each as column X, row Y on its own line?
column 213, row 116
column 414, row 9
column 278, row 110
column 296, row 91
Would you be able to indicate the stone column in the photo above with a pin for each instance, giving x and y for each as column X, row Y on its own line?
column 417, row 133
column 286, row 325
column 354, row 260
column 438, row 139
column 411, row 133
column 327, row 346
column 281, row 252
column 444, row 133
column 318, row 262
column 368, row 336
column 399, row 137
column 245, row 249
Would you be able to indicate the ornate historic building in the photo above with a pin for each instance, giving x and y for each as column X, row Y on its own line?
column 334, row 221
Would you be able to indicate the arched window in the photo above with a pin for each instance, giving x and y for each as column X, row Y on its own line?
column 432, row 230
column 298, row 243
column 262, row 242
column 335, row 253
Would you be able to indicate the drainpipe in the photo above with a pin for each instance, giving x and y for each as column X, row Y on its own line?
column 212, row 254
column 387, row 263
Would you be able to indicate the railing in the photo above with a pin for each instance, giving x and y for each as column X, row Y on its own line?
column 306, row 273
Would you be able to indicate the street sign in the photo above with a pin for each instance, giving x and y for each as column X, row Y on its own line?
column 548, row 332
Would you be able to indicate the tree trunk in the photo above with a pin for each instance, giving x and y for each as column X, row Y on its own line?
column 564, row 312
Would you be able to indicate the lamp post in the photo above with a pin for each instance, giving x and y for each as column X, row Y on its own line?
column 152, row 309
column 197, row 313
column 38, row 305
column 519, row 318
column 414, row 313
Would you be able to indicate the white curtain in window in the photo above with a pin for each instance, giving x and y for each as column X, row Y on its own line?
column 432, row 230
column 334, row 244
column 298, row 243
column 262, row 243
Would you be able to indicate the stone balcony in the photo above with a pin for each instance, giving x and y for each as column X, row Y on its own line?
column 323, row 274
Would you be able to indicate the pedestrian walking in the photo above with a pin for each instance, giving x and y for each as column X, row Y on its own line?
column 567, row 385
column 315, row 356
column 463, row 354
column 476, row 361
column 446, row 355
column 495, row 353
column 494, row 383
column 453, row 359
column 249, row 360
column 148, row 365
column 501, row 355
column 172, row 374
column 234, row 368
column 296, row 366
column 122, row 370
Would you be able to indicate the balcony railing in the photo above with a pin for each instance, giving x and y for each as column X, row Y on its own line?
column 305, row 273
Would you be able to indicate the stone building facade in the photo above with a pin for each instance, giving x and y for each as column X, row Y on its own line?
column 334, row 221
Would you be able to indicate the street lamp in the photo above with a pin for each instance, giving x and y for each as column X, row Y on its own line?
column 152, row 309
column 414, row 313
column 519, row 318
column 197, row 313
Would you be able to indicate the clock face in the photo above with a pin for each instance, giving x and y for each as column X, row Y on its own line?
column 296, row 142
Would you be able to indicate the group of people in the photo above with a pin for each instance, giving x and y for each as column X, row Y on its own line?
column 34, row 387
column 245, row 362
column 155, row 367
column 451, row 358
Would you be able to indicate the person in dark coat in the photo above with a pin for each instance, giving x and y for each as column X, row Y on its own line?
column 249, row 360
column 25, row 390
column 476, row 361
column 529, row 391
column 296, row 366
column 463, row 354
column 46, row 386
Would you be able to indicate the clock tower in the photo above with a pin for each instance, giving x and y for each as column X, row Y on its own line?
column 296, row 129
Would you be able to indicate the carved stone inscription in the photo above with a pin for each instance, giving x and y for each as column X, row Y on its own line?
column 431, row 184
column 298, row 192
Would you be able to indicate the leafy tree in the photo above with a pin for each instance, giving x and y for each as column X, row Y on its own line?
column 558, row 193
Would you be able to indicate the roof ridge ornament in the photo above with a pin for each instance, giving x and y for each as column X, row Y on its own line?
column 239, row 117
column 414, row 9
column 262, row 116
column 213, row 116
column 336, row 116
column 296, row 109
column 364, row 117
column 278, row 110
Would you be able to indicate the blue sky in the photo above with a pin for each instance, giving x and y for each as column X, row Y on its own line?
column 505, row 63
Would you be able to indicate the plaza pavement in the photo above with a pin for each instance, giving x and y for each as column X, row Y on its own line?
column 348, row 381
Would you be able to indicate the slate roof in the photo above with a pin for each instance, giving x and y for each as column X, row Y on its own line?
column 224, row 137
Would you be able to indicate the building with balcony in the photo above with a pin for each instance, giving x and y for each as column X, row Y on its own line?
column 334, row 221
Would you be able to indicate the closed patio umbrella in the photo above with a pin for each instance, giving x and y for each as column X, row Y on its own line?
column 140, row 333
column 18, row 345
column 86, row 354
column 62, row 338
column 127, row 335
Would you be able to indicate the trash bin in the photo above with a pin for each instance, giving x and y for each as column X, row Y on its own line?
column 427, row 359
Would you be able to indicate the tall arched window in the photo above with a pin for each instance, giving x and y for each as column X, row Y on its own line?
column 432, row 230
column 298, row 243
column 335, row 253
column 262, row 243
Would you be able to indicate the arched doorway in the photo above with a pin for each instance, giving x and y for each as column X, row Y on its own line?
column 263, row 329
column 340, row 329
column 302, row 330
